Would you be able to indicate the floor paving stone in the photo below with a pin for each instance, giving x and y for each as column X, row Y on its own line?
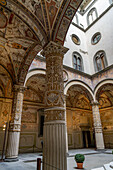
column 93, row 159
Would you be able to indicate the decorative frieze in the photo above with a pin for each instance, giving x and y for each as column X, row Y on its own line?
column 54, row 95
column 54, row 48
column 54, row 114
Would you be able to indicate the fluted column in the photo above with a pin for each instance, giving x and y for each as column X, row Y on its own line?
column 54, row 150
column 97, row 126
column 15, row 124
column 66, row 126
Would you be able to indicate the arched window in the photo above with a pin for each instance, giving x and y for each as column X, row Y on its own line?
column 77, row 61
column 100, row 61
column 92, row 16
column 111, row 1
column 75, row 19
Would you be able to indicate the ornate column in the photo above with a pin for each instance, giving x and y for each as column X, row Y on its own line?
column 97, row 126
column 54, row 150
column 15, row 124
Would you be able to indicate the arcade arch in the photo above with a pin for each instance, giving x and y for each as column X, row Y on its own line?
column 79, row 115
column 104, row 94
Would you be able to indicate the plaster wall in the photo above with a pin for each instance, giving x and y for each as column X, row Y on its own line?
column 81, row 49
column 86, row 49
column 104, row 26
column 100, row 5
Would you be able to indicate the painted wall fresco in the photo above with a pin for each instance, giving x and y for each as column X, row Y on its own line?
column 107, row 124
column 78, row 97
column 108, row 74
column 79, row 121
column 5, row 116
column 79, row 114
column 38, row 64
column 35, row 89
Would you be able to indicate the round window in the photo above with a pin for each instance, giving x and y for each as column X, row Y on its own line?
column 96, row 38
column 75, row 39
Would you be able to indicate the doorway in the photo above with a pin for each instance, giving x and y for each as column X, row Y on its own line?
column 86, row 139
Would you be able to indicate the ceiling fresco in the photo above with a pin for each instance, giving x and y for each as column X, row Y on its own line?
column 26, row 26
column 78, row 97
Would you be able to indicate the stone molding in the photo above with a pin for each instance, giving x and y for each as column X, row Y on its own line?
column 54, row 48
column 53, row 114
column 98, row 130
column 94, row 103
column 19, row 88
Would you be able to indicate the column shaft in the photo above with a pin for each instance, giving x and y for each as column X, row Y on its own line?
column 54, row 151
column 97, row 126
column 15, row 123
column 66, row 127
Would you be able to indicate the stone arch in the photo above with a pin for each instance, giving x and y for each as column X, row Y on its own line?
column 79, row 114
column 103, row 93
column 27, row 62
column 35, row 86
column 100, row 86
column 34, row 72
column 82, row 84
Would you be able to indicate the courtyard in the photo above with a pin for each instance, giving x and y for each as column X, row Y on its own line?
column 93, row 159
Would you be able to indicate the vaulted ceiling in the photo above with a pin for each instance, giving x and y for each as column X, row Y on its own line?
column 35, row 88
column 78, row 97
column 105, row 96
column 26, row 26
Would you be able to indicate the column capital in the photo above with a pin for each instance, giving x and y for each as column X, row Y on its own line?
column 52, row 48
column 65, row 97
column 18, row 88
column 93, row 103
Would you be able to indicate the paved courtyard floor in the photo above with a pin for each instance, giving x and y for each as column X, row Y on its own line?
column 93, row 159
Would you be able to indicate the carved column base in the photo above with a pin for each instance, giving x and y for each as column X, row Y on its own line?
column 12, row 147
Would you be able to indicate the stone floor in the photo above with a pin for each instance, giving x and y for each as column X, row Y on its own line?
column 93, row 159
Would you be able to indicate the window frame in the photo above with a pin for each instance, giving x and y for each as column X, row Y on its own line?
column 103, row 61
column 111, row 2
column 78, row 39
column 89, row 13
column 76, row 65
column 97, row 33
